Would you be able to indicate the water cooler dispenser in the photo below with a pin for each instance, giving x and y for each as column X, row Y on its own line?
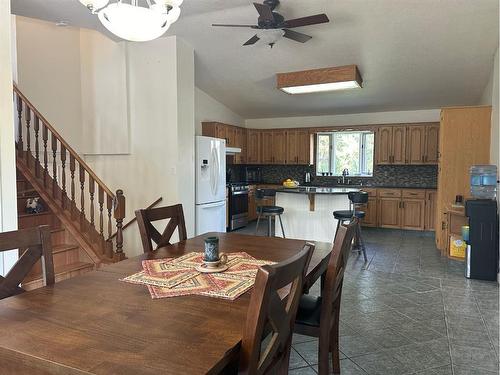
column 482, row 250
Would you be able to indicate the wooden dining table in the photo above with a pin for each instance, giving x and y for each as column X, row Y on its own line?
column 97, row 324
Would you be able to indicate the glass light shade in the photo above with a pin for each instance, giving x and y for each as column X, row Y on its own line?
column 270, row 36
column 134, row 23
column 174, row 14
column 322, row 87
column 94, row 4
column 173, row 3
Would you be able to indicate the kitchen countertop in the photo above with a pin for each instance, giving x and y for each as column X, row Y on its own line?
column 355, row 186
column 316, row 190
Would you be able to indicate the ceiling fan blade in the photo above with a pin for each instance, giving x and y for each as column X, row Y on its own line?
column 265, row 12
column 306, row 21
column 254, row 39
column 224, row 25
column 294, row 35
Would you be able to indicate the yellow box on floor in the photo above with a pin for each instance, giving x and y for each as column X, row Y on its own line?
column 457, row 247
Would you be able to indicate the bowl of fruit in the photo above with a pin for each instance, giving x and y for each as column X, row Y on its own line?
column 290, row 184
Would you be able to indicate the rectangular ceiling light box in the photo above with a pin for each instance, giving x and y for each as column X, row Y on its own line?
column 320, row 80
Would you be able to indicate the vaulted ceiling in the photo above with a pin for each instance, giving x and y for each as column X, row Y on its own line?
column 412, row 54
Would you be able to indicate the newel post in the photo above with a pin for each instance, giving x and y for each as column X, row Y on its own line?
column 119, row 214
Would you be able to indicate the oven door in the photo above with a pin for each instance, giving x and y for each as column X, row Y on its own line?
column 238, row 210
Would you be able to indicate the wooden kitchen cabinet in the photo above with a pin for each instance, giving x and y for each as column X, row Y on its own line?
column 412, row 214
column 298, row 147
column 431, row 145
column 384, row 145
column 389, row 211
column 430, row 209
column 241, row 142
column 415, row 145
column 252, row 206
column 399, row 145
column 370, row 209
column 253, row 147
column 278, row 149
column 266, row 147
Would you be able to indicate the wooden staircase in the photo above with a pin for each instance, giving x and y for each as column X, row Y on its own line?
column 80, row 209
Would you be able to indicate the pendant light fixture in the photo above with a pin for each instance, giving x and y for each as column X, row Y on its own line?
column 136, row 20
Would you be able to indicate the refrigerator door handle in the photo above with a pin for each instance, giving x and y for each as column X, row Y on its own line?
column 212, row 205
column 214, row 173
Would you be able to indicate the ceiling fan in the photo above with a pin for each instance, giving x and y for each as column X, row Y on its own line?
column 273, row 25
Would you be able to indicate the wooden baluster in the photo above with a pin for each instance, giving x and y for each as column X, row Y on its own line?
column 20, row 145
column 72, row 168
column 36, row 128
column 82, row 197
column 119, row 213
column 100, row 200
column 91, row 192
column 27, row 118
column 109, row 207
column 54, row 165
column 45, row 137
column 63, row 176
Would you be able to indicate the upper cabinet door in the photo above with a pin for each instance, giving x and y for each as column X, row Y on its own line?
column 384, row 145
column 220, row 132
column 292, row 143
column 399, row 145
column 431, row 148
column 267, row 147
column 253, row 146
column 231, row 136
column 303, row 147
column 415, row 144
column 279, row 147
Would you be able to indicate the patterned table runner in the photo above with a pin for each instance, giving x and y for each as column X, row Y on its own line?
column 178, row 276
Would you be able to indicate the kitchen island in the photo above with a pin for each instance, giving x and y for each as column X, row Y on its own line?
column 309, row 211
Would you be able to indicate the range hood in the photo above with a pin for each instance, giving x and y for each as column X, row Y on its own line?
column 233, row 150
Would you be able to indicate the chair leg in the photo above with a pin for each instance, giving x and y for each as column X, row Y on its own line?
column 361, row 243
column 257, row 226
column 334, row 340
column 281, row 224
column 336, row 230
column 323, row 354
column 269, row 226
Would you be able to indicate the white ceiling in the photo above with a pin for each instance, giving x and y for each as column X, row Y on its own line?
column 412, row 54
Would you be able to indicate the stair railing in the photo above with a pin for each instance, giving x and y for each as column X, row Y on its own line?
column 73, row 185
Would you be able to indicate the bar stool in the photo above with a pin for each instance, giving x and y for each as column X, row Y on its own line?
column 356, row 199
column 268, row 211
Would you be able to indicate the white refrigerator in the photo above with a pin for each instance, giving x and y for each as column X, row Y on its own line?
column 210, row 185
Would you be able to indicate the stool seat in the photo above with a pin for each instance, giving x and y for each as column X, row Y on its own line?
column 274, row 210
column 347, row 214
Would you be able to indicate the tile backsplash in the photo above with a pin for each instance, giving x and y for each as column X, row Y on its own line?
column 418, row 176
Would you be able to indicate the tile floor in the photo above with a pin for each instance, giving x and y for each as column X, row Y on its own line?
column 409, row 311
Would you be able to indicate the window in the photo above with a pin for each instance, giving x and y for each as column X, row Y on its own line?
column 352, row 150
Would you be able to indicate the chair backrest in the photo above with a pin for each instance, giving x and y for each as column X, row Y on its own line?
column 358, row 197
column 36, row 245
column 265, row 193
column 267, row 337
column 146, row 217
column 332, row 289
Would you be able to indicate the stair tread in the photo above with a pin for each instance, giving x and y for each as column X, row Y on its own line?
column 65, row 268
column 63, row 247
column 57, row 230
column 37, row 214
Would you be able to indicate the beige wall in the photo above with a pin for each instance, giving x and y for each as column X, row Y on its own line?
column 161, row 111
column 48, row 63
column 209, row 109
column 429, row 115
column 8, row 207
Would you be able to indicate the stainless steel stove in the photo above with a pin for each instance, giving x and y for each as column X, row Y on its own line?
column 238, row 205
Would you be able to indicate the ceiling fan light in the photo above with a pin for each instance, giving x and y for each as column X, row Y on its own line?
column 172, row 3
column 134, row 23
column 94, row 5
column 173, row 14
column 320, row 80
column 270, row 36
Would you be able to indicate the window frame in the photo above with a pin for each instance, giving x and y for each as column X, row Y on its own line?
column 362, row 162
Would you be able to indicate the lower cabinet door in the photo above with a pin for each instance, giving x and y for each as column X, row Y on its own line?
column 413, row 214
column 370, row 209
column 252, row 208
column 389, row 212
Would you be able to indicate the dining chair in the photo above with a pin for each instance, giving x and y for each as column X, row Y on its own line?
column 319, row 316
column 146, row 217
column 34, row 244
column 267, row 336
